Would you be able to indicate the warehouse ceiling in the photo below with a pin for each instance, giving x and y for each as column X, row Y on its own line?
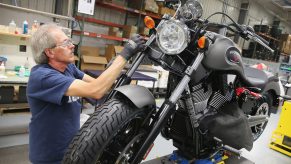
column 279, row 8
column 284, row 4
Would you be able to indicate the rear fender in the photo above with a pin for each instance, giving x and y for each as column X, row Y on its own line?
column 277, row 88
column 138, row 95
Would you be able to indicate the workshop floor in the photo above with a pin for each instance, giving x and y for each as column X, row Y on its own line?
column 14, row 148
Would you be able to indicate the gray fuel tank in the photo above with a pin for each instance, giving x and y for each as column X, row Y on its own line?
column 223, row 55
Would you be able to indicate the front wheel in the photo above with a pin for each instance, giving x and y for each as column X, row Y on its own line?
column 111, row 135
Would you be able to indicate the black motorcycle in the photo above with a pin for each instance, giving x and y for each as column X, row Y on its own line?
column 202, row 112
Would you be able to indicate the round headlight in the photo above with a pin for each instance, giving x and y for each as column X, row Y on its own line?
column 172, row 37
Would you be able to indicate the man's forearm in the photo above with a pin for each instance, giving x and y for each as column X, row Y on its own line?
column 108, row 77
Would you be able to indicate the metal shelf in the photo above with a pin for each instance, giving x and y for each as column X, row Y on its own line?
column 95, row 35
column 16, row 35
column 126, row 9
column 93, row 20
column 268, row 36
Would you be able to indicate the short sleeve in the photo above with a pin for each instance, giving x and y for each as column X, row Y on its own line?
column 77, row 73
column 50, row 87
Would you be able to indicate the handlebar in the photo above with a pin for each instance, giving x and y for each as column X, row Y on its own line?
column 248, row 33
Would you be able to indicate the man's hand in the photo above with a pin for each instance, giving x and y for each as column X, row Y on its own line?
column 134, row 44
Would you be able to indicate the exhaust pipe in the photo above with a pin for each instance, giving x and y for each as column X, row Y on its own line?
column 256, row 120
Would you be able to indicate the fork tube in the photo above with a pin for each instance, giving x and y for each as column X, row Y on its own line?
column 184, row 82
column 167, row 109
column 124, row 78
column 139, row 58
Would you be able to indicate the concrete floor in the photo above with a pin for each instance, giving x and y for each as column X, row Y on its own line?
column 14, row 148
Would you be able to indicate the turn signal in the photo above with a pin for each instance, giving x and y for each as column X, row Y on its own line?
column 202, row 42
column 149, row 22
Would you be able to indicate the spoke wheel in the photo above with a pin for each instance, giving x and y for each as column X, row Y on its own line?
column 124, row 145
column 112, row 135
column 263, row 109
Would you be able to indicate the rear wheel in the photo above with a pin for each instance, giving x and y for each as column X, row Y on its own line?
column 111, row 135
column 263, row 108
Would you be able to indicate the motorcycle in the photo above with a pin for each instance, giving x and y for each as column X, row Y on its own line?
column 202, row 112
column 267, row 101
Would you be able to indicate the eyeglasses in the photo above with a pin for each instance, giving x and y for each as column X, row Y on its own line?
column 66, row 43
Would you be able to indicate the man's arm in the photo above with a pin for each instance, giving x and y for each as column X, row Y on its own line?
column 96, row 88
column 88, row 78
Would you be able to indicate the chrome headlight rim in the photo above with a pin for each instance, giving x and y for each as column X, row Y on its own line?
column 182, row 27
column 191, row 10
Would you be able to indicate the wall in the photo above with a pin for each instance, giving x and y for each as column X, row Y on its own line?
column 256, row 14
column 104, row 14
column 9, row 46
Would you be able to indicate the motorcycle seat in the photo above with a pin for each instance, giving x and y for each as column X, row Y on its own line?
column 256, row 78
column 271, row 77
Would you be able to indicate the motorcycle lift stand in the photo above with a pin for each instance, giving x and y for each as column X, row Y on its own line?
column 281, row 137
column 175, row 159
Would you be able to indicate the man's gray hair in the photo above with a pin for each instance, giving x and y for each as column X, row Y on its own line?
column 42, row 39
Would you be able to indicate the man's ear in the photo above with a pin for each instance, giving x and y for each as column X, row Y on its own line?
column 48, row 52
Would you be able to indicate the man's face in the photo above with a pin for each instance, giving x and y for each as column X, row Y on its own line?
column 64, row 49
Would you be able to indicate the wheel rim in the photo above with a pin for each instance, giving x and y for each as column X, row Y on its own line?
column 127, row 153
column 121, row 149
column 257, row 130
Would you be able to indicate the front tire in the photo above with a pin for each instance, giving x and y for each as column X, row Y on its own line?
column 111, row 135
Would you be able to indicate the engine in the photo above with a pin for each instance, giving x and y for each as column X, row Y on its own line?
column 191, row 142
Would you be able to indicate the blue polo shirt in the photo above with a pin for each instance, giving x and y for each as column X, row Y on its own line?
column 55, row 117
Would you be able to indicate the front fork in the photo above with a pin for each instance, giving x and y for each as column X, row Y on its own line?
column 167, row 109
column 126, row 78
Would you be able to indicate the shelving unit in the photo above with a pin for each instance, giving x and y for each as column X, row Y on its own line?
column 273, row 42
column 268, row 36
column 22, row 36
column 110, row 24
column 95, row 35
column 126, row 9
column 106, row 22
column 93, row 20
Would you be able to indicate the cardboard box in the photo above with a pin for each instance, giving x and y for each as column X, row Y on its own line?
column 165, row 10
column 115, row 31
column 128, row 31
column 148, row 5
column 89, row 51
column 144, row 31
column 135, row 4
column 151, row 5
column 76, row 58
column 286, row 44
column 93, row 63
column 111, row 51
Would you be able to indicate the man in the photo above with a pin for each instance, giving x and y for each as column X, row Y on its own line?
column 54, row 87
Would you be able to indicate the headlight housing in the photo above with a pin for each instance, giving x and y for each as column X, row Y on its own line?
column 191, row 10
column 172, row 36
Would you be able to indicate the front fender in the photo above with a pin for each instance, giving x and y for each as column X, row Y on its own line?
column 138, row 95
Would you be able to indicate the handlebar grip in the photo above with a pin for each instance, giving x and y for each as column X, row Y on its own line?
column 262, row 39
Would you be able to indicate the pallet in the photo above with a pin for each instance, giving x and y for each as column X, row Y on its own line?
column 12, row 108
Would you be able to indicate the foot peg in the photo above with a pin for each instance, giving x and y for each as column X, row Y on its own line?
column 228, row 148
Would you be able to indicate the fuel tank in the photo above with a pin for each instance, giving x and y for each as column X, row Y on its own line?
column 223, row 55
